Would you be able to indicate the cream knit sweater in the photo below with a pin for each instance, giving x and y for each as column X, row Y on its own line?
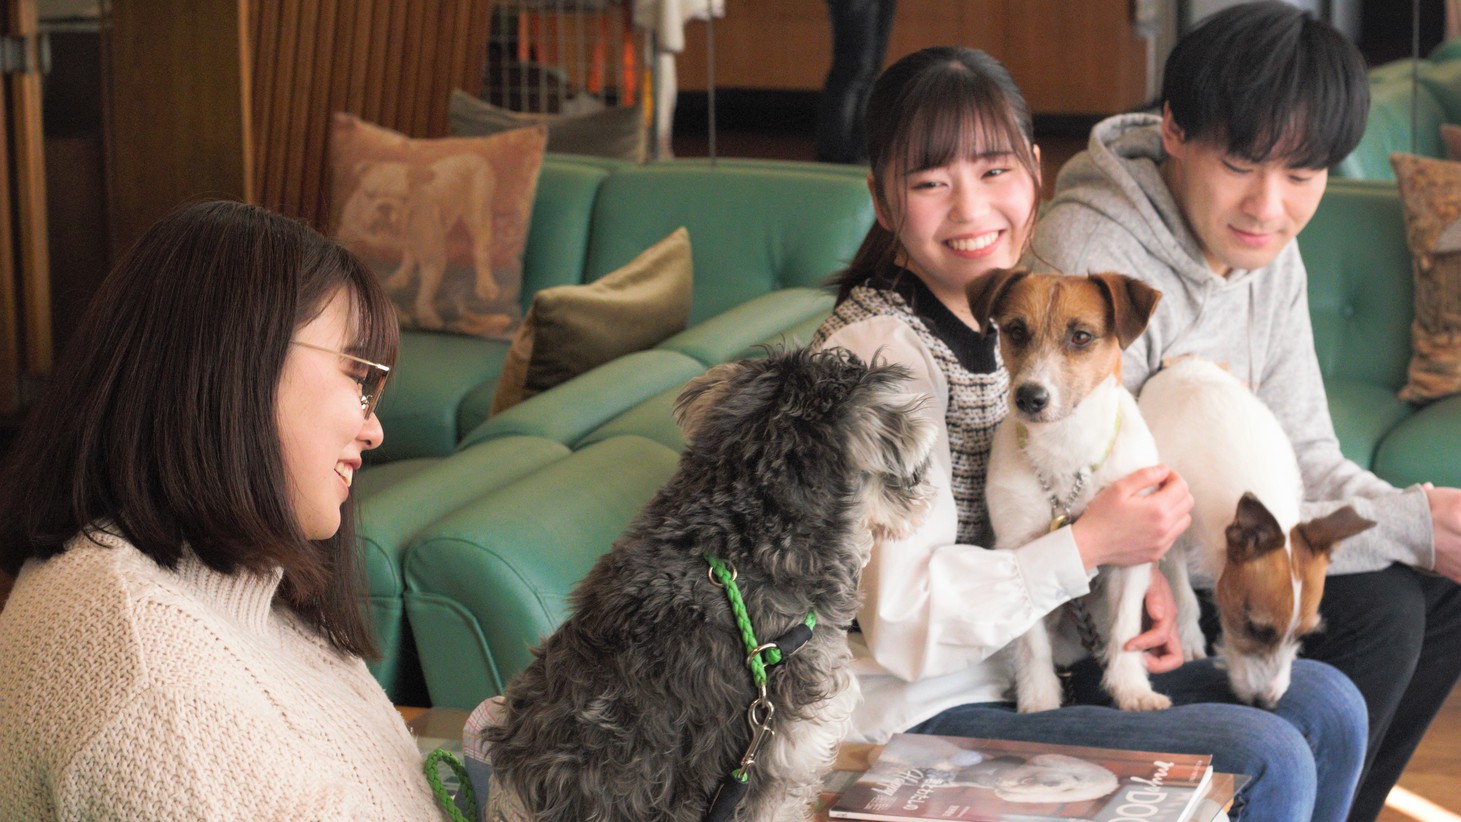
column 131, row 692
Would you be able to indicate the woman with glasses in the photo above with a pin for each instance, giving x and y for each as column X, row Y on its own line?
column 185, row 634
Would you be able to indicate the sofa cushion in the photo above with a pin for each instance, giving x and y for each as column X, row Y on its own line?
column 1430, row 191
column 443, row 222
column 733, row 334
column 399, row 499
column 617, row 132
column 755, row 230
column 1363, row 414
column 571, row 329
column 1424, row 447
column 558, row 241
column 485, row 584
column 433, row 373
column 653, row 419
column 570, row 411
column 1360, row 290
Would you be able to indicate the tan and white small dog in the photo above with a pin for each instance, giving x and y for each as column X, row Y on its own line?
column 1072, row 430
column 1246, row 540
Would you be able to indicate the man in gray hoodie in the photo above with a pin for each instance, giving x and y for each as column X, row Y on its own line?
column 1204, row 202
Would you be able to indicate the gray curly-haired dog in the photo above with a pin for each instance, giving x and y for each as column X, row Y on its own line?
column 637, row 707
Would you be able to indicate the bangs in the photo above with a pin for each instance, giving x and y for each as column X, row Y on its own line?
column 959, row 124
column 962, row 116
column 945, row 133
column 373, row 325
column 1303, row 128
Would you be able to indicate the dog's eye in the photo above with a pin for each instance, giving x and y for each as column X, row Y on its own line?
column 1017, row 333
column 1081, row 339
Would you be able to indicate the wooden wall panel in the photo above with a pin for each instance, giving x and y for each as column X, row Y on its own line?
column 177, row 109
column 233, row 97
column 365, row 58
column 1075, row 58
column 10, row 316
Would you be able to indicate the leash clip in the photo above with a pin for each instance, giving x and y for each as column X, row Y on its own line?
column 760, row 730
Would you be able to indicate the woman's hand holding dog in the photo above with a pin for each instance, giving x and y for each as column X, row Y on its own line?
column 1135, row 519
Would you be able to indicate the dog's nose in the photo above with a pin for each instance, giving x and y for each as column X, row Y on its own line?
column 1031, row 398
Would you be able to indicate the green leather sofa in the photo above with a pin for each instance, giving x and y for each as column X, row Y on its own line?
column 556, row 478
column 1436, row 91
column 477, row 552
column 1361, row 302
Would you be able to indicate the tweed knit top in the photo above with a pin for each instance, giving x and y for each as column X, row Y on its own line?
column 939, row 609
column 977, row 385
column 132, row 692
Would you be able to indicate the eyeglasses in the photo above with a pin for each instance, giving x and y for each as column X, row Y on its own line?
column 372, row 378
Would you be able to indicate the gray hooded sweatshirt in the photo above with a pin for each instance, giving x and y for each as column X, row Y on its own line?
column 1112, row 211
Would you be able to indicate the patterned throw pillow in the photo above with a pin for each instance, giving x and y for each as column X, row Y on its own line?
column 618, row 133
column 1430, row 191
column 442, row 222
column 571, row 329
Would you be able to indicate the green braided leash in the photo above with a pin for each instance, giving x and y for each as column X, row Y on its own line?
column 443, row 796
column 734, row 785
column 743, row 622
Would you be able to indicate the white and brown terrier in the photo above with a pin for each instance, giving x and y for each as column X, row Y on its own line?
column 1072, row 430
column 1246, row 540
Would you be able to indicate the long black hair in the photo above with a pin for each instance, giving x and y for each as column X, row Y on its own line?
column 159, row 420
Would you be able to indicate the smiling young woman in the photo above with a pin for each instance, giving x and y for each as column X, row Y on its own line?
column 185, row 634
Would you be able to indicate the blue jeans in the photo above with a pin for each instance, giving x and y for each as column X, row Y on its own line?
column 1303, row 759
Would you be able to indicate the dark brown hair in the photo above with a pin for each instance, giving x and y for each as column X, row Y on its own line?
column 159, row 420
column 927, row 110
column 1267, row 81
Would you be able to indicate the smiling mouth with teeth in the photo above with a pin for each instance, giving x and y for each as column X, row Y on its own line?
column 345, row 472
column 974, row 243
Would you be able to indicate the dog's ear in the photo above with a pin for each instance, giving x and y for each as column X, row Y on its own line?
column 1253, row 532
column 985, row 292
column 1326, row 532
column 1132, row 303
column 891, row 435
column 890, row 442
column 701, row 394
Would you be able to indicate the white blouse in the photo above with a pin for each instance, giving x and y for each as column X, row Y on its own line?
column 937, row 616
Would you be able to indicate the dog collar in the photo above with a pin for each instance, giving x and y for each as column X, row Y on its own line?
column 1060, row 515
column 758, row 715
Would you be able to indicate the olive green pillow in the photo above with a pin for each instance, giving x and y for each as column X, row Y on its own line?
column 571, row 329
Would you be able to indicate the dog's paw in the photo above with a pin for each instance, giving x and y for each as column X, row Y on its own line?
column 1035, row 706
column 1194, row 644
column 1039, row 696
column 1147, row 700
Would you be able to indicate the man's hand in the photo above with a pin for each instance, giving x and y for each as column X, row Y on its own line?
column 1446, row 522
column 1163, row 650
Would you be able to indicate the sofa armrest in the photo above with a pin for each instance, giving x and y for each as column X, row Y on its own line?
column 1424, row 447
column 567, row 412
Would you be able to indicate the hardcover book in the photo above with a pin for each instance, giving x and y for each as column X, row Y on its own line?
column 920, row 777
